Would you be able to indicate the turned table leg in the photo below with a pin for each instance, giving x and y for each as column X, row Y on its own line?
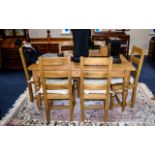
column 125, row 89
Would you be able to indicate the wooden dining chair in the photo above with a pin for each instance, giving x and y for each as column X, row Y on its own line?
column 32, row 94
column 137, row 59
column 66, row 48
column 95, row 83
column 56, row 83
column 101, row 52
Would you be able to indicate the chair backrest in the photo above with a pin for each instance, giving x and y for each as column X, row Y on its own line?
column 21, row 52
column 65, row 46
column 137, row 59
column 96, row 68
column 55, row 68
column 100, row 43
column 102, row 51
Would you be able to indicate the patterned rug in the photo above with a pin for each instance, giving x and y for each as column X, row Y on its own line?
column 26, row 113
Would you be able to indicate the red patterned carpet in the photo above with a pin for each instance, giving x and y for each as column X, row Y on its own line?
column 25, row 113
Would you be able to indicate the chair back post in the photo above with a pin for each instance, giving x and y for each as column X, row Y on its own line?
column 109, row 77
column 81, row 76
column 137, row 61
column 42, row 77
column 21, row 52
column 69, row 75
column 27, row 75
column 65, row 44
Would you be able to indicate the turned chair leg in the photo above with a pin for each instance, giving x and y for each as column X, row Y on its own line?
column 106, row 111
column 47, row 112
column 39, row 102
column 71, row 109
column 81, row 110
column 111, row 102
column 30, row 92
column 133, row 99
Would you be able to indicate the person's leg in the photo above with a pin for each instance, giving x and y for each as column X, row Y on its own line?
column 84, row 42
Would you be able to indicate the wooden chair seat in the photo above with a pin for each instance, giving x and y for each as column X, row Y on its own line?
column 54, row 91
column 95, row 81
column 56, row 82
column 48, row 55
column 120, row 80
column 100, row 43
column 68, row 53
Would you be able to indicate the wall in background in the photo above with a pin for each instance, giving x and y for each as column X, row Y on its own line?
column 41, row 33
column 139, row 37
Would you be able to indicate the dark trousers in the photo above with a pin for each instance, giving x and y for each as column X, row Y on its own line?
column 81, row 39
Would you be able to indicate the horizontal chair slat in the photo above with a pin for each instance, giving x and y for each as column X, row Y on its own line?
column 88, row 74
column 57, row 96
column 53, row 61
column 94, row 107
column 120, row 86
column 137, row 50
column 96, row 61
column 56, row 68
column 55, row 74
column 95, row 87
column 60, row 107
column 57, row 86
column 136, row 60
column 95, row 96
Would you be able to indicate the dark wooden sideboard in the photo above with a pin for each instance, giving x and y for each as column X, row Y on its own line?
column 151, row 53
column 10, row 58
column 50, row 45
column 9, row 54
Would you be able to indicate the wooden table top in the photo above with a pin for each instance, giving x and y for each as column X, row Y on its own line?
column 125, row 64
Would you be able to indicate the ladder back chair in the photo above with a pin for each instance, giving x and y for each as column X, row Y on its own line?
column 56, row 83
column 66, row 48
column 137, row 59
column 95, row 83
column 101, row 52
column 33, row 95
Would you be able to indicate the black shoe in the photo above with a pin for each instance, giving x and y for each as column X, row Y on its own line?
column 76, row 59
column 60, row 54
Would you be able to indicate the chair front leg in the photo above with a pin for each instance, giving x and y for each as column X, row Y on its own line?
column 30, row 92
column 71, row 108
column 133, row 99
column 39, row 102
column 125, row 89
column 47, row 111
column 111, row 102
column 81, row 109
column 106, row 111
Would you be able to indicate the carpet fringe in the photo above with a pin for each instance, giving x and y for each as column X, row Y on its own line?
column 15, row 108
column 148, row 92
